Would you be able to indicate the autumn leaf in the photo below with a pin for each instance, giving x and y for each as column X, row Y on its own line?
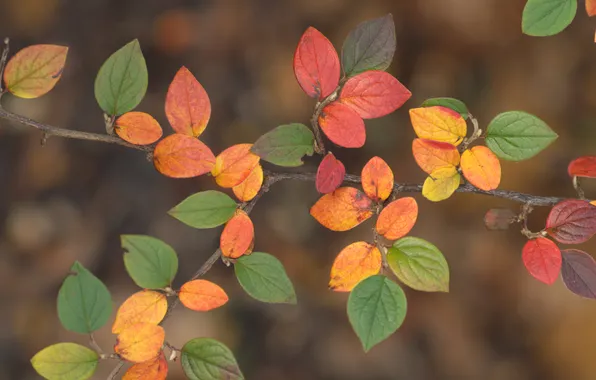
column 238, row 236
column 182, row 156
column 397, row 218
column 202, row 295
column 342, row 125
column 542, row 259
column 316, row 64
column 572, row 221
column 188, row 107
column 343, row 209
column 481, row 167
column 441, row 184
column 374, row 94
column 583, row 167
column 249, row 188
column 65, row 361
column 377, row 179
column 35, row 70
column 144, row 306
column 330, row 174
column 140, row 342
column 234, row 165
column 439, row 124
column 499, row 218
column 451, row 103
column 354, row 263
column 432, row 155
column 579, row 273
column 591, row 7
column 154, row 369
column 138, row 128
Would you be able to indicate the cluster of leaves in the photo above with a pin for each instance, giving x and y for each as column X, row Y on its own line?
column 440, row 124
column 347, row 90
column 549, row 17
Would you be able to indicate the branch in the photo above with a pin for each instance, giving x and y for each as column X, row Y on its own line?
column 3, row 59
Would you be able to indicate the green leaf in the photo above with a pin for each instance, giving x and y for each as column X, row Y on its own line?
column 264, row 278
column 65, row 361
column 517, row 135
column 419, row 264
column 370, row 46
column 547, row 17
column 121, row 82
column 376, row 308
column 208, row 359
column 206, row 209
column 151, row 263
column 84, row 302
column 451, row 103
column 285, row 145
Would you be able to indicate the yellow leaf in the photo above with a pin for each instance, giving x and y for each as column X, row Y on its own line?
column 144, row 306
column 354, row 263
column 441, row 184
column 439, row 124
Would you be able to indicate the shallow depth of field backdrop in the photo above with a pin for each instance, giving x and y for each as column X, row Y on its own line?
column 72, row 199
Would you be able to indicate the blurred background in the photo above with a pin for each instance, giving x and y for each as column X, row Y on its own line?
column 70, row 200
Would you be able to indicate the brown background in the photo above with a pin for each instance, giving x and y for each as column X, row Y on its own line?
column 70, row 200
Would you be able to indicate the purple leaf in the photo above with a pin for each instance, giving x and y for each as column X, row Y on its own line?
column 579, row 273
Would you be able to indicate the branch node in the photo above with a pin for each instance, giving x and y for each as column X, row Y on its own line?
column 44, row 138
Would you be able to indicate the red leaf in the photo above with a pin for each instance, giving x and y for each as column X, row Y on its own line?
column 316, row 64
column 579, row 273
column 542, row 259
column 583, row 167
column 330, row 174
column 342, row 125
column 374, row 94
column 188, row 108
column 572, row 221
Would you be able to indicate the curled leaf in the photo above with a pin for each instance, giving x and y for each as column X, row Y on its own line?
column 234, row 165
column 377, row 179
column 343, row 209
column 330, row 174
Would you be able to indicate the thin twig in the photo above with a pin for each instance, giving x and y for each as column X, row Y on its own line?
column 314, row 120
column 115, row 371
column 3, row 59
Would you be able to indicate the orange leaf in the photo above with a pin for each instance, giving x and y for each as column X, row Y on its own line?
column 316, row 64
column 330, row 174
column 342, row 125
column 439, row 123
column 249, row 188
column 374, row 94
column 140, row 342
column 377, row 179
column 35, row 70
column 233, row 165
column 154, row 369
column 354, row 263
column 188, row 108
column 591, row 7
column 238, row 236
column 431, row 155
column 343, row 209
column 181, row 156
column 144, row 306
column 202, row 295
column 397, row 218
column 584, row 166
column 481, row 167
column 138, row 128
